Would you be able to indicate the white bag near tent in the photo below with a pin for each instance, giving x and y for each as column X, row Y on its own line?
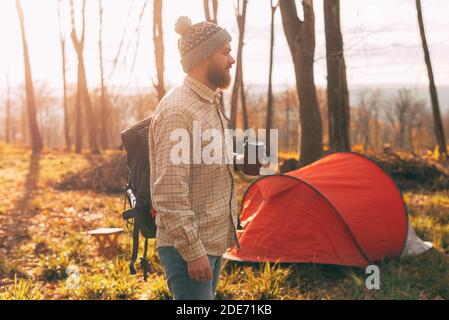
column 414, row 245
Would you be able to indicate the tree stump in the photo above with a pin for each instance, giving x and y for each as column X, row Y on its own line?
column 106, row 239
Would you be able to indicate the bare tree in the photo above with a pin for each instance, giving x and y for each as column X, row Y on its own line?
column 62, row 40
column 363, row 116
column 376, row 128
column 104, row 122
column 78, row 115
column 399, row 114
column 78, row 99
column 83, row 90
column 210, row 16
column 158, row 47
column 405, row 116
column 49, row 113
column 394, row 115
column 240, row 12
column 269, row 121
column 321, row 96
column 36, row 139
column 241, row 24
column 337, row 86
column 243, row 102
column 416, row 125
column 289, row 104
column 300, row 36
column 122, row 41
column 438, row 125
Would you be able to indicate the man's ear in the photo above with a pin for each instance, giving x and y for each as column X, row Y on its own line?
column 204, row 63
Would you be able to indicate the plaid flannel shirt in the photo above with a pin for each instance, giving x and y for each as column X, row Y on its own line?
column 196, row 203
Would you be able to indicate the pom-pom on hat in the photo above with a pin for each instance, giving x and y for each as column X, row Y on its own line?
column 183, row 25
column 198, row 41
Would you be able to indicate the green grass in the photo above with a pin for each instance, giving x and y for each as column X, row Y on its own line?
column 258, row 282
column 21, row 290
column 50, row 227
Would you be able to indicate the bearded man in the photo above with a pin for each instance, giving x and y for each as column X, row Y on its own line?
column 195, row 202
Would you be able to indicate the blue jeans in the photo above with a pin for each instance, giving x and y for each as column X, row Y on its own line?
column 178, row 281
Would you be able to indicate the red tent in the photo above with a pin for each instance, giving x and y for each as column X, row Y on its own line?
column 342, row 209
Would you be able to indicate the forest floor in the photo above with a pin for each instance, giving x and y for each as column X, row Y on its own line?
column 43, row 230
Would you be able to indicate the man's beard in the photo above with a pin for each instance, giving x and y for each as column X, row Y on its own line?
column 219, row 78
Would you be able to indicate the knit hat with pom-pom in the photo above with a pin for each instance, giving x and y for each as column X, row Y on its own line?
column 198, row 41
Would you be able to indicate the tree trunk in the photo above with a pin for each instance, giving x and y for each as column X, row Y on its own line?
column 104, row 141
column 36, row 139
column 62, row 37
column 90, row 116
column 438, row 125
column 337, row 87
column 79, row 115
column 158, row 47
column 401, row 109
column 241, row 17
column 269, row 120
column 210, row 16
column 376, row 128
column 301, row 41
column 243, row 102
column 82, row 81
column 78, row 102
column 287, row 117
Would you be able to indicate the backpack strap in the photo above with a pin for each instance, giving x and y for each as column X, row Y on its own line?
column 135, row 249
column 144, row 262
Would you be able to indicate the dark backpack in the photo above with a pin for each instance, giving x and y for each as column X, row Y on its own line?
column 141, row 216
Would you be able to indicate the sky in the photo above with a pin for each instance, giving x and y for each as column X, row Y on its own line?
column 381, row 39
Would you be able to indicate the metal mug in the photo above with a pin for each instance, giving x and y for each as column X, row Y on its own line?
column 254, row 157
